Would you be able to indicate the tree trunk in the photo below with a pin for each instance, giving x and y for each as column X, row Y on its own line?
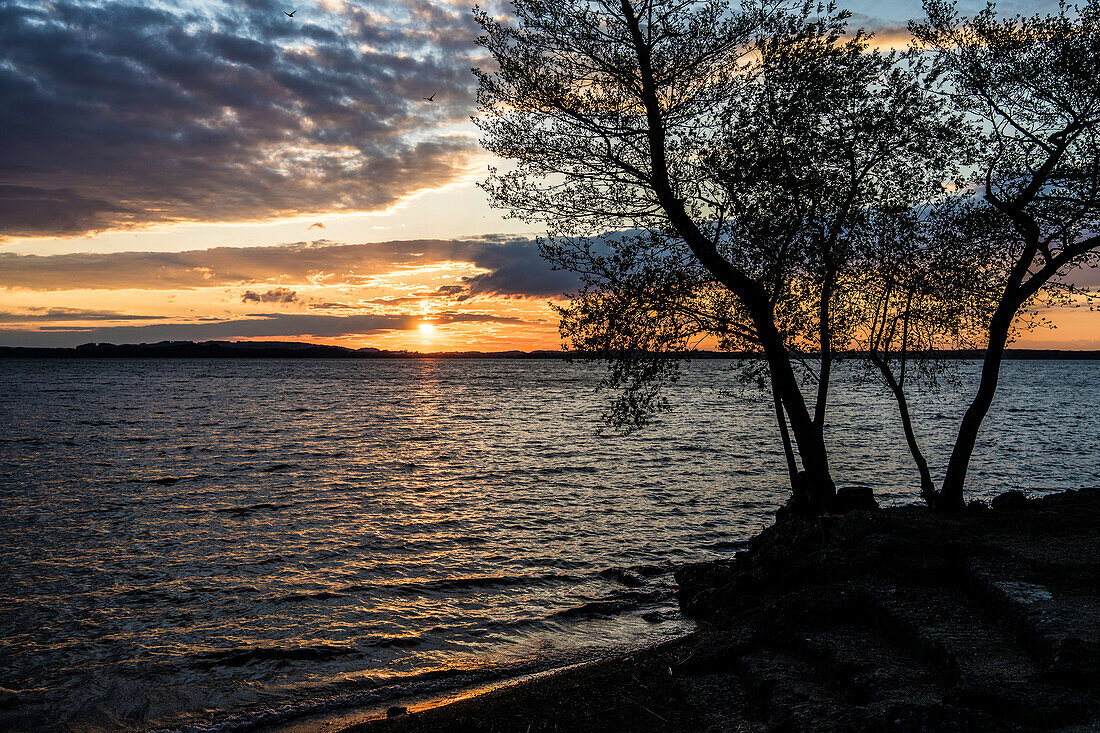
column 927, row 488
column 807, row 435
column 788, row 450
column 810, row 441
column 951, row 496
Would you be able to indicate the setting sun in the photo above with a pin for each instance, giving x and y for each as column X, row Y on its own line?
column 427, row 328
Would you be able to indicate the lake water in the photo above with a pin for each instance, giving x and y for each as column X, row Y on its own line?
column 227, row 545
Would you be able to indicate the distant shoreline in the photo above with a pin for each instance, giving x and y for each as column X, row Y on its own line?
column 295, row 350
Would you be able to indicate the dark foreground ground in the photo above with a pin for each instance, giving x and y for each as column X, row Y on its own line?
column 895, row 620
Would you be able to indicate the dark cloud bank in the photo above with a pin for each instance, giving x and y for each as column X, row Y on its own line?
column 513, row 264
column 127, row 113
column 278, row 295
column 514, row 269
column 264, row 325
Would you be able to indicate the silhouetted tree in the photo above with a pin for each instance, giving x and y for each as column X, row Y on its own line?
column 927, row 282
column 743, row 149
column 1034, row 84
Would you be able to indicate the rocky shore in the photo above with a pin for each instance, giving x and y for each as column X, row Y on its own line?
column 889, row 620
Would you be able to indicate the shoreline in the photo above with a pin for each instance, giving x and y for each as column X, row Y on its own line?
column 305, row 350
column 351, row 719
column 896, row 619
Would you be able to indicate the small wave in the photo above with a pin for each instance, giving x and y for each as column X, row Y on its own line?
column 558, row 470
column 652, row 571
column 372, row 691
column 725, row 545
column 244, row 511
column 172, row 480
column 143, row 595
column 480, row 582
column 279, row 655
column 609, row 606
column 597, row 608
column 355, row 588
column 265, row 561
column 393, row 642
column 385, row 545
column 278, row 467
column 550, row 562
column 320, row 596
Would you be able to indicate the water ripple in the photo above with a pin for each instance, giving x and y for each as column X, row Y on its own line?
column 216, row 545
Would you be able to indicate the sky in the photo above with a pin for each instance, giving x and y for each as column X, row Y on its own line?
column 217, row 169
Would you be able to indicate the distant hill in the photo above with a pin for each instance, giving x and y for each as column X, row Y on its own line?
column 298, row 350
column 252, row 350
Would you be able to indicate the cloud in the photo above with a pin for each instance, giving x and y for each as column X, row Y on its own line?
column 398, row 300
column 127, row 113
column 37, row 210
column 458, row 292
column 891, row 36
column 334, row 306
column 267, row 325
column 522, row 273
column 33, row 315
column 278, row 295
column 1085, row 275
column 513, row 267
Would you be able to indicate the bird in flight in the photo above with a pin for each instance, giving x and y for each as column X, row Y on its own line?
column 291, row 13
column 430, row 99
column 316, row 225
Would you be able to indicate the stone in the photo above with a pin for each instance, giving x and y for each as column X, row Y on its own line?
column 1009, row 501
column 1024, row 702
column 854, row 498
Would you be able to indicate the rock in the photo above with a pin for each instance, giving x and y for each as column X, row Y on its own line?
column 699, row 584
column 915, row 621
column 852, row 499
column 802, row 501
column 1010, row 501
column 620, row 575
column 1029, row 703
column 397, row 711
column 1076, row 662
column 720, row 654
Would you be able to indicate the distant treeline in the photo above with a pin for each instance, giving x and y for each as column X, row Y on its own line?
column 295, row 350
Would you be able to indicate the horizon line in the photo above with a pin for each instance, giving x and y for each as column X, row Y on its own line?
column 303, row 349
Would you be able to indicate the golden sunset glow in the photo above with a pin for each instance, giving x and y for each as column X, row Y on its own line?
column 478, row 293
column 279, row 226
